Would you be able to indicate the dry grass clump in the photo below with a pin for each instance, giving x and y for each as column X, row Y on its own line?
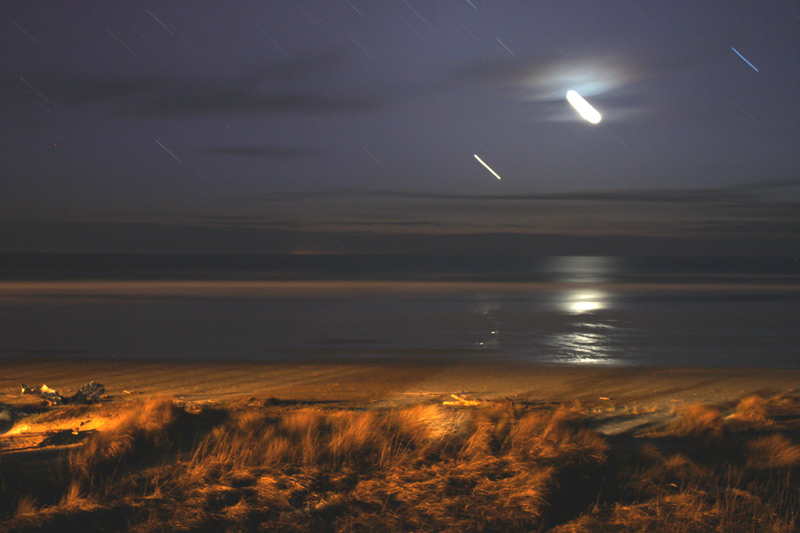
column 31, row 516
column 144, row 425
column 724, row 509
column 656, row 471
column 686, row 477
column 678, row 494
column 753, row 409
column 771, row 452
column 698, row 420
column 75, row 498
column 26, row 505
column 418, row 467
column 500, row 472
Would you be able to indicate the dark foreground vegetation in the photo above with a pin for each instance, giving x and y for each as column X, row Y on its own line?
column 274, row 466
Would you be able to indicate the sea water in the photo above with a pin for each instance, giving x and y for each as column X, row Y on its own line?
column 575, row 310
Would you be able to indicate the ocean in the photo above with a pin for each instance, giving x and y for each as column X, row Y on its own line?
column 662, row 311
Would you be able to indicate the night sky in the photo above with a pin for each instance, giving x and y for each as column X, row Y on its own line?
column 350, row 126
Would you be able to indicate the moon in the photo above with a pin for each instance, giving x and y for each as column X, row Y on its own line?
column 584, row 108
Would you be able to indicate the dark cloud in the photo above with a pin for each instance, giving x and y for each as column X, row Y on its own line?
column 777, row 228
column 397, row 223
column 728, row 193
column 346, row 222
column 197, row 100
column 270, row 152
column 174, row 238
column 280, row 87
column 238, row 222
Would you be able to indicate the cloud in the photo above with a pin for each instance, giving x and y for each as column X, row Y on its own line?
column 270, row 152
column 227, row 221
column 295, row 85
column 396, row 223
column 197, row 100
column 728, row 193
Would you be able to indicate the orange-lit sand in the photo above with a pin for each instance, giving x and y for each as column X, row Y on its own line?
column 621, row 398
column 395, row 382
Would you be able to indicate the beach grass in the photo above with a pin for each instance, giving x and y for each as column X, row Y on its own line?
column 272, row 465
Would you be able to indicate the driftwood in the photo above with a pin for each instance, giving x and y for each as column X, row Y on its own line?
column 461, row 401
column 89, row 393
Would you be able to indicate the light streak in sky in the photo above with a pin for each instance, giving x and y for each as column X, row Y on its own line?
column 178, row 159
column 423, row 19
column 583, row 107
column 487, row 166
column 374, row 157
column 159, row 21
column 743, row 58
column 20, row 28
column 128, row 48
column 506, row 47
column 359, row 45
column 360, row 14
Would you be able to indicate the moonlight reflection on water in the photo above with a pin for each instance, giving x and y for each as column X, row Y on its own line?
column 588, row 336
column 587, row 339
column 582, row 329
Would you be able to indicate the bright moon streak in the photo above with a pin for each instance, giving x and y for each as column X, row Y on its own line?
column 583, row 107
column 487, row 166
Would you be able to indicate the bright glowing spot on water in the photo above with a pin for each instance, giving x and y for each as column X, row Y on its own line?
column 583, row 107
column 584, row 307
column 584, row 302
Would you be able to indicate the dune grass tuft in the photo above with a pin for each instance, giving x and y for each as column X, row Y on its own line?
column 771, row 452
column 144, row 425
column 698, row 420
column 26, row 505
column 752, row 409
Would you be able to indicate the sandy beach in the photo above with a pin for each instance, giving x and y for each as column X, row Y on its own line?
column 623, row 399
column 397, row 382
